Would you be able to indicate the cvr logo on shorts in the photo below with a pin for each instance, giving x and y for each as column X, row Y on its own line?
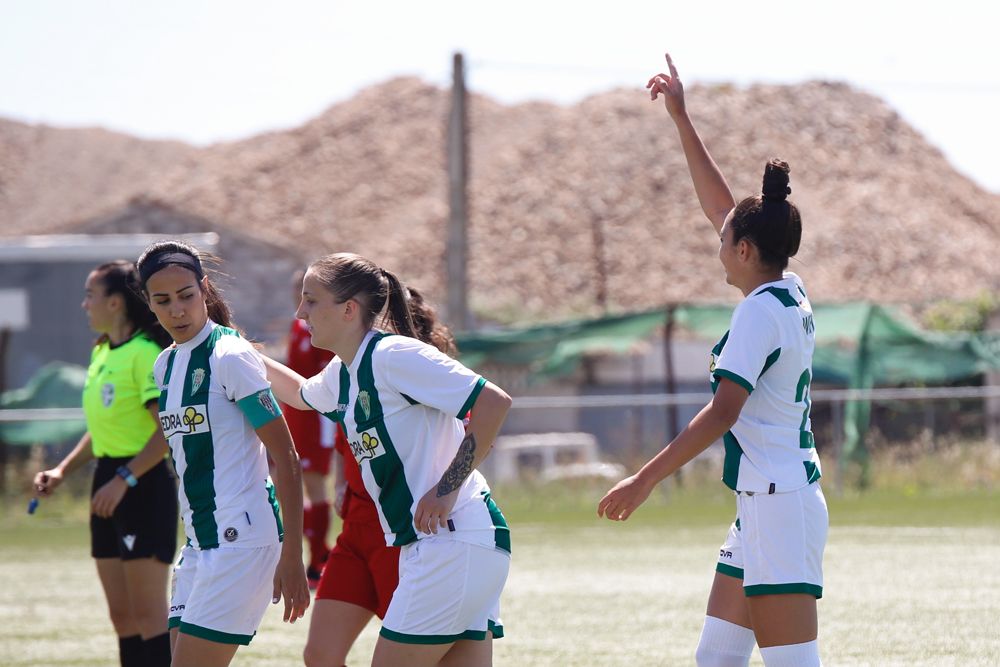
column 184, row 421
column 725, row 554
column 368, row 448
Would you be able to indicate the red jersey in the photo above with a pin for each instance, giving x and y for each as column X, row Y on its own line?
column 313, row 442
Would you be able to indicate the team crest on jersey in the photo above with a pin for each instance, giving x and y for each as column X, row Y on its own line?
column 184, row 421
column 267, row 402
column 108, row 394
column 368, row 448
column 197, row 377
column 366, row 403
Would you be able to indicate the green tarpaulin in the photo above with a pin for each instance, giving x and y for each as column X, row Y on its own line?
column 55, row 385
column 858, row 345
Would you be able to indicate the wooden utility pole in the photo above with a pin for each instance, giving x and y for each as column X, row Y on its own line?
column 458, row 172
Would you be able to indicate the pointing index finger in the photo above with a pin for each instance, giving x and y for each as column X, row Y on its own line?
column 670, row 65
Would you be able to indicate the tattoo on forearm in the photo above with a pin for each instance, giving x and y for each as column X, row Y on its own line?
column 460, row 467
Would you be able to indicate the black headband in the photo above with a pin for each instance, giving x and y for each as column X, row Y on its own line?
column 164, row 259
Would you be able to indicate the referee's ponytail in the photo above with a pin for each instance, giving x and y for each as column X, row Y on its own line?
column 121, row 277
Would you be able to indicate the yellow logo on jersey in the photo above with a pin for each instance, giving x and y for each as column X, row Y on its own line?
column 368, row 448
column 184, row 421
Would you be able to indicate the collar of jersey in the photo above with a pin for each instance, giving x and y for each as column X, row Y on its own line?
column 359, row 355
column 199, row 339
column 785, row 278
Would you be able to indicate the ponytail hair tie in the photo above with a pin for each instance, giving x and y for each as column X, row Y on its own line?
column 775, row 186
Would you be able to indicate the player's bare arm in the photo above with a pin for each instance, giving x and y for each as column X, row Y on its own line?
column 290, row 575
column 285, row 383
column 710, row 185
column 707, row 427
column 488, row 414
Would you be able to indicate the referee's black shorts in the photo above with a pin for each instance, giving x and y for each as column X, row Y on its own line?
column 144, row 524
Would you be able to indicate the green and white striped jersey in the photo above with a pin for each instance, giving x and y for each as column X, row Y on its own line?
column 401, row 402
column 768, row 350
column 213, row 394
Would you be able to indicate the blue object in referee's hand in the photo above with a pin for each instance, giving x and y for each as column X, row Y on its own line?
column 32, row 505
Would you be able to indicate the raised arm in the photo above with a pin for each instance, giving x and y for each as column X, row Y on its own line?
column 710, row 185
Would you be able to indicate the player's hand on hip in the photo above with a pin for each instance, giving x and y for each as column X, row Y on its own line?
column 623, row 499
column 433, row 511
column 106, row 500
column 290, row 583
column 668, row 85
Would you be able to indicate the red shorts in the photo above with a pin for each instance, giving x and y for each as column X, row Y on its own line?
column 314, row 436
column 361, row 569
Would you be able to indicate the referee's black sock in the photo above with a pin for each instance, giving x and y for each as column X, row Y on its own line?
column 158, row 650
column 131, row 651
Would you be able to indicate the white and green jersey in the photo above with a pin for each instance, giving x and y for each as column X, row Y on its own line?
column 401, row 402
column 768, row 350
column 213, row 394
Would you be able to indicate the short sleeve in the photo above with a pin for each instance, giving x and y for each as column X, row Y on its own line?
column 142, row 372
column 240, row 370
column 422, row 373
column 753, row 345
column 243, row 377
column 322, row 392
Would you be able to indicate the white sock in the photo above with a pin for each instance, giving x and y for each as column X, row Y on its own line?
column 792, row 655
column 724, row 644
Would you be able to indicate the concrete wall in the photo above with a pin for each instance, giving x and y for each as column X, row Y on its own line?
column 257, row 287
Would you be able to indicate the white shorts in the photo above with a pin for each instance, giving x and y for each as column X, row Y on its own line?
column 776, row 543
column 221, row 594
column 448, row 590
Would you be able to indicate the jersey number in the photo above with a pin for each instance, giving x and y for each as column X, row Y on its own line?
column 806, row 440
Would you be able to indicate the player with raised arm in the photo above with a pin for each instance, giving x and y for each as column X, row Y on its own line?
column 769, row 573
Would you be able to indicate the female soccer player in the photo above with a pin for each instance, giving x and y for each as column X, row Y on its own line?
column 218, row 415
column 133, row 522
column 402, row 402
column 769, row 573
column 362, row 571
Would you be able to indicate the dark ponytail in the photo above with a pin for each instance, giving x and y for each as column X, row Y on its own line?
column 769, row 220
column 349, row 276
column 427, row 326
column 166, row 253
column 120, row 277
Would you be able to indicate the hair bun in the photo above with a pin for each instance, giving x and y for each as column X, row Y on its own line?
column 776, row 180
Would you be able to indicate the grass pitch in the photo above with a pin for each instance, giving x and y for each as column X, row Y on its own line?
column 910, row 580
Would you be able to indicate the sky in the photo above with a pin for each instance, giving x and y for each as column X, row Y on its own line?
column 204, row 71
